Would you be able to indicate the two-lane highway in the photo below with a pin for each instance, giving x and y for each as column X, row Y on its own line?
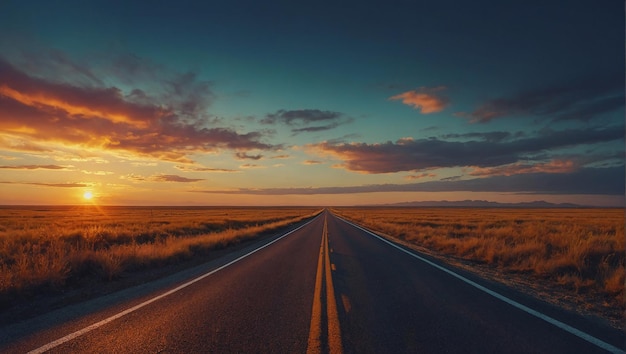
column 328, row 286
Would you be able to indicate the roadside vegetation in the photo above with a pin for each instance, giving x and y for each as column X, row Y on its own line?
column 47, row 248
column 579, row 250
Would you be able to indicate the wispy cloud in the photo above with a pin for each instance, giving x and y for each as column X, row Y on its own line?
column 58, row 185
column 425, row 99
column 251, row 165
column 582, row 100
column 300, row 117
column 97, row 173
column 144, row 163
column 496, row 136
column 174, row 178
column 36, row 167
column 159, row 178
column 57, row 66
column 420, row 176
column 554, row 166
column 15, row 143
column 307, row 120
column 134, row 178
column 245, row 156
column 203, row 169
column 311, row 162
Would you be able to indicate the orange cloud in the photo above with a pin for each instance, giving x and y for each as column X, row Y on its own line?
column 40, row 111
column 424, row 99
column 46, row 99
column 174, row 178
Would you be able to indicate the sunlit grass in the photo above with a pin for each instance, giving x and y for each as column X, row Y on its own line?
column 579, row 249
column 48, row 247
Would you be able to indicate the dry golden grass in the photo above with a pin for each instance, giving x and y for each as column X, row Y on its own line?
column 47, row 247
column 579, row 249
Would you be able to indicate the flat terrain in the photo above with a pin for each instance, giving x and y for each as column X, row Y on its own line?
column 323, row 283
column 54, row 249
column 573, row 257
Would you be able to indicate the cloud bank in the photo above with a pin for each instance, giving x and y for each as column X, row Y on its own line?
column 40, row 110
column 408, row 154
column 591, row 181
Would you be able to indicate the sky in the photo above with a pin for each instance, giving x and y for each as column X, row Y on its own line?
column 311, row 103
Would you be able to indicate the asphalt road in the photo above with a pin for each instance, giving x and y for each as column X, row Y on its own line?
column 325, row 287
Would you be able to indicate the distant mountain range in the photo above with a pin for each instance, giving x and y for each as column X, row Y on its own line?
column 486, row 204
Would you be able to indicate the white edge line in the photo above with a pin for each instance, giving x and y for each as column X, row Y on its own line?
column 87, row 329
column 589, row 338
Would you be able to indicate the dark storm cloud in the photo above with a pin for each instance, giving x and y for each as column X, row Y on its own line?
column 582, row 100
column 409, row 154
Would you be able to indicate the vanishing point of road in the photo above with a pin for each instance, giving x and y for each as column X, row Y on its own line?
column 326, row 286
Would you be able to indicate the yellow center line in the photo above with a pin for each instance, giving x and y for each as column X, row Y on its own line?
column 334, row 332
column 315, row 332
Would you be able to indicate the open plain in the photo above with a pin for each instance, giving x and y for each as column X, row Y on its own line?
column 322, row 285
column 572, row 257
column 47, row 249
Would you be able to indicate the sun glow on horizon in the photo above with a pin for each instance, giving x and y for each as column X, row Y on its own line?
column 88, row 195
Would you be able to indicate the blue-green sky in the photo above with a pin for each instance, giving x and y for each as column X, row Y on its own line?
column 327, row 103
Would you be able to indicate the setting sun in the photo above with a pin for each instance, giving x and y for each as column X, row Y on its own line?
column 88, row 195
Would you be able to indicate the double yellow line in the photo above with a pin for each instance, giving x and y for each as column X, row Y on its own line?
column 333, row 335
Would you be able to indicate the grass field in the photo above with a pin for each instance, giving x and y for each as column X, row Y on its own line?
column 48, row 247
column 581, row 250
